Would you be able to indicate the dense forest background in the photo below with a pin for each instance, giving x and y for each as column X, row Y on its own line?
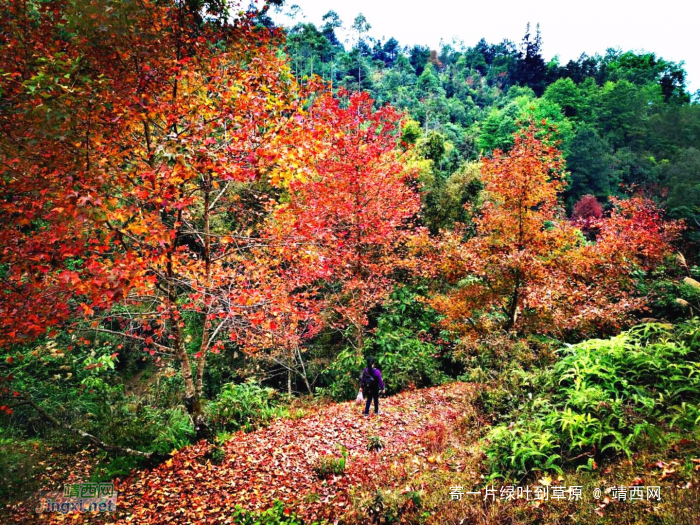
column 625, row 120
column 208, row 223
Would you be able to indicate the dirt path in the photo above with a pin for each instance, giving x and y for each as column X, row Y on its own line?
column 276, row 463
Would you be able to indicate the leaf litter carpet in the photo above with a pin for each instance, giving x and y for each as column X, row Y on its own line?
column 277, row 463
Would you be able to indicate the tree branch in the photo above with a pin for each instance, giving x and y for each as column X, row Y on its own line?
column 94, row 440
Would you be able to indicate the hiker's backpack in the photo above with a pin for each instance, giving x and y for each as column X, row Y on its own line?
column 369, row 382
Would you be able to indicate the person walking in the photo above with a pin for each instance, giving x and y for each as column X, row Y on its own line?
column 372, row 384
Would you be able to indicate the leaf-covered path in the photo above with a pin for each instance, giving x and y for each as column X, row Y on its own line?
column 276, row 463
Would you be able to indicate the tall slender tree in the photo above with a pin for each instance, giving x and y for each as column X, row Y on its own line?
column 361, row 26
column 351, row 215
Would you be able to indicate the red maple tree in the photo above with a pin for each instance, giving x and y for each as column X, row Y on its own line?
column 587, row 208
column 350, row 214
column 587, row 212
column 127, row 133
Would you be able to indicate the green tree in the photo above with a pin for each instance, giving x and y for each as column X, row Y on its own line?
column 433, row 147
column 623, row 110
column 682, row 178
column 532, row 69
column 309, row 51
column 590, row 163
column 331, row 22
column 567, row 95
column 361, row 26
column 410, row 133
column 497, row 131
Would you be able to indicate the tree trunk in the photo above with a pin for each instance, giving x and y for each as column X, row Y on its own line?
column 303, row 370
column 202, row 359
column 193, row 399
column 201, row 426
column 359, row 339
column 513, row 307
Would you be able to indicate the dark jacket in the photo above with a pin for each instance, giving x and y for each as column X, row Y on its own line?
column 376, row 373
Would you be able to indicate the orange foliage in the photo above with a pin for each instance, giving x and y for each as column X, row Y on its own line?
column 124, row 129
column 528, row 270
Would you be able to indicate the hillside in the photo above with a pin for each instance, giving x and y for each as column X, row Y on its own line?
column 215, row 228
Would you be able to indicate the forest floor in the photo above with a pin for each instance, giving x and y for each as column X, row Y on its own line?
column 280, row 462
column 433, row 441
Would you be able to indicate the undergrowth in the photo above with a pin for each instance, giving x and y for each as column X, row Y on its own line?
column 599, row 400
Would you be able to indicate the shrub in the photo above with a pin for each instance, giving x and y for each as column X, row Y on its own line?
column 675, row 292
column 328, row 465
column 83, row 386
column 278, row 514
column 407, row 360
column 375, row 443
column 144, row 427
column 244, row 405
column 402, row 345
column 297, row 413
column 343, row 375
column 394, row 507
column 526, row 446
column 216, row 454
column 20, row 464
column 600, row 398
column 175, row 430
